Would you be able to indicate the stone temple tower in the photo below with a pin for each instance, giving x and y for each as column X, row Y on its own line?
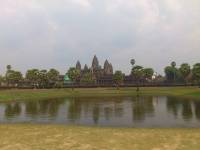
column 95, row 63
column 108, row 69
column 78, row 65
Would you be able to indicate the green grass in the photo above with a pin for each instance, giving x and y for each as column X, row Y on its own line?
column 55, row 137
column 9, row 95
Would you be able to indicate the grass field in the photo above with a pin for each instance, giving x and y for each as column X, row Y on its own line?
column 53, row 137
column 7, row 95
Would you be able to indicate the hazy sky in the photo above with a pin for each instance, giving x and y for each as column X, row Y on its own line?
column 56, row 33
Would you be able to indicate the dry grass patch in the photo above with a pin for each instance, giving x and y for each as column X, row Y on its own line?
column 51, row 137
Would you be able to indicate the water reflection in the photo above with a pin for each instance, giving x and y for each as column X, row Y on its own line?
column 74, row 109
column 197, row 109
column 188, row 109
column 96, row 113
column 141, row 107
column 173, row 105
column 12, row 110
column 37, row 108
column 115, row 111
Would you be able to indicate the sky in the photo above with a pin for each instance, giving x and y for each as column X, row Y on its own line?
column 56, row 33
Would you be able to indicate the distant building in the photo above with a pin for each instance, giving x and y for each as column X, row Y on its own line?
column 101, row 75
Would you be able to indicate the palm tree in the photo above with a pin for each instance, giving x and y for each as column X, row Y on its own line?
column 7, row 73
column 132, row 62
column 173, row 64
column 8, row 67
column 137, row 72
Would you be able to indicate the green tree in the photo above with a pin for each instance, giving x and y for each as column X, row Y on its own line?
column 32, row 76
column 53, row 76
column 169, row 73
column 74, row 74
column 173, row 65
column 8, row 67
column 43, row 78
column 118, row 78
column 172, row 74
column 2, row 80
column 87, row 78
column 185, row 71
column 196, row 72
column 138, row 73
column 148, row 73
column 14, row 77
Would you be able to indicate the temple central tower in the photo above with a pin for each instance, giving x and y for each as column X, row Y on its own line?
column 95, row 63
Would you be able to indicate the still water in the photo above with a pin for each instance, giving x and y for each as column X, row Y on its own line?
column 156, row 111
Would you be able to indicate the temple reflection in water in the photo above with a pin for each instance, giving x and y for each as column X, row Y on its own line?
column 110, row 111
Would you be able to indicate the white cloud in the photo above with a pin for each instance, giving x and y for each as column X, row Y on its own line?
column 173, row 5
column 84, row 3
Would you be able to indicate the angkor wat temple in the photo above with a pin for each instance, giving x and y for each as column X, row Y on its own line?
column 102, row 75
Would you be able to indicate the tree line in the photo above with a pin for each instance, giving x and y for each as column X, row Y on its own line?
column 34, row 77
column 184, row 74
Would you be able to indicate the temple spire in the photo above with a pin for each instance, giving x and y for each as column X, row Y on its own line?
column 86, row 69
column 78, row 65
column 108, row 69
column 95, row 63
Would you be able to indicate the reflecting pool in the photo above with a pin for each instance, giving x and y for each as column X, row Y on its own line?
column 153, row 111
